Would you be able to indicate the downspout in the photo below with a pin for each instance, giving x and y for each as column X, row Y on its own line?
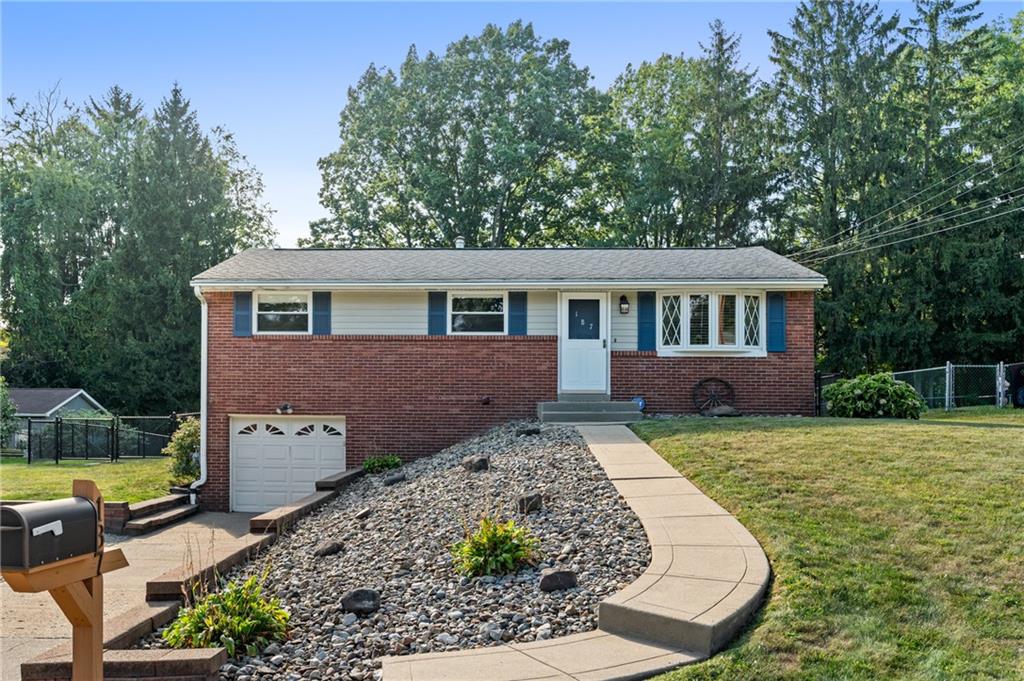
column 202, row 398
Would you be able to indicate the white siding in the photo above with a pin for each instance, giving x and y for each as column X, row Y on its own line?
column 379, row 312
column 542, row 313
column 623, row 325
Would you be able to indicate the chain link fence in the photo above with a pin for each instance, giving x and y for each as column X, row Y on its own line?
column 945, row 387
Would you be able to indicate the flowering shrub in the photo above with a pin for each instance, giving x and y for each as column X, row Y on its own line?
column 183, row 449
column 873, row 396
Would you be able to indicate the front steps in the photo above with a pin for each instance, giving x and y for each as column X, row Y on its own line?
column 588, row 409
column 153, row 514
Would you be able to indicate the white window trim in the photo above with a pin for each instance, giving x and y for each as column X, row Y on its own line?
column 713, row 348
column 478, row 294
column 256, row 314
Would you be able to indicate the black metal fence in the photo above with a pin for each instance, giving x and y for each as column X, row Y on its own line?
column 112, row 438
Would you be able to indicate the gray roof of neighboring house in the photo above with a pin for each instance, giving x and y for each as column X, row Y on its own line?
column 43, row 401
column 537, row 265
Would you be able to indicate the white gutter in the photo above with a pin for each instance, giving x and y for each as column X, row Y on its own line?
column 624, row 284
column 202, row 397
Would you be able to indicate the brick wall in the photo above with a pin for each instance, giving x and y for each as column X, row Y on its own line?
column 781, row 383
column 407, row 395
column 415, row 395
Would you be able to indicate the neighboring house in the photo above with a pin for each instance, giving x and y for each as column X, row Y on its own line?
column 45, row 403
column 314, row 360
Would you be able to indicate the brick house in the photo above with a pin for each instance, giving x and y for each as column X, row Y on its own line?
column 314, row 360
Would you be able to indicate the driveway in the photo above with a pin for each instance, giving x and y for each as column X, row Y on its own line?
column 31, row 624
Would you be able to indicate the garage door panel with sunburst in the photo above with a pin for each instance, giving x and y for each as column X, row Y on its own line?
column 275, row 461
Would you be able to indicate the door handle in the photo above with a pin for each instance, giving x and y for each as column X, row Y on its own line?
column 604, row 342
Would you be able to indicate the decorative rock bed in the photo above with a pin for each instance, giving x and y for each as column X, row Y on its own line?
column 400, row 548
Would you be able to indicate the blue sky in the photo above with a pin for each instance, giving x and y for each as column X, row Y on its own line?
column 276, row 74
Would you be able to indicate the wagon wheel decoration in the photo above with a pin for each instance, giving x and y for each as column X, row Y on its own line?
column 712, row 392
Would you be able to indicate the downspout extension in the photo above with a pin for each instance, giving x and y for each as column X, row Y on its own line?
column 202, row 398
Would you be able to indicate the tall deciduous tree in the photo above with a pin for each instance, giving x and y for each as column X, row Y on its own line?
column 479, row 142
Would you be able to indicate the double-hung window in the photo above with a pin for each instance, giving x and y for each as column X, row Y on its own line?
column 477, row 313
column 714, row 321
column 282, row 312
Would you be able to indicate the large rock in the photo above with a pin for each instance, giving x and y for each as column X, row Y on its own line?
column 523, row 431
column 556, row 579
column 530, row 502
column 361, row 601
column 365, row 513
column 478, row 462
column 328, row 548
column 394, row 479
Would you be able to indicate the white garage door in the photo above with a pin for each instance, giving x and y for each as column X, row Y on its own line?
column 278, row 460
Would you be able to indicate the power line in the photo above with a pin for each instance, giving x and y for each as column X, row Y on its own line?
column 915, row 223
column 840, row 244
column 826, row 258
column 864, row 222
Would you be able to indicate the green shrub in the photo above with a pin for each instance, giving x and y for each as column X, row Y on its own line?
column 873, row 396
column 182, row 449
column 495, row 548
column 376, row 464
column 237, row 617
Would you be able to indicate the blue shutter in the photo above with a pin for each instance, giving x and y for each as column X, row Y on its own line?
column 243, row 313
column 321, row 313
column 646, row 321
column 517, row 313
column 776, row 322
column 437, row 310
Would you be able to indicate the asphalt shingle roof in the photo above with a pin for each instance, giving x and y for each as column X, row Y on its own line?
column 40, row 400
column 469, row 265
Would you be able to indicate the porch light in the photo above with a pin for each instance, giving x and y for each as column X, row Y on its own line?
column 285, row 408
column 623, row 305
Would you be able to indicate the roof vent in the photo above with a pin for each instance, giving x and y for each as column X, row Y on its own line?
column 460, row 242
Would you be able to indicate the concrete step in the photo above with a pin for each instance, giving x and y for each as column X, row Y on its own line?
column 157, row 520
column 143, row 509
column 567, row 406
column 591, row 417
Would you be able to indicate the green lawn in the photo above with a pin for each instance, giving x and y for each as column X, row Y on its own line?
column 897, row 547
column 126, row 480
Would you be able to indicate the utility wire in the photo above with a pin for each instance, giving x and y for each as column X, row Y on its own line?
column 915, row 223
column 850, row 241
column 826, row 258
column 862, row 223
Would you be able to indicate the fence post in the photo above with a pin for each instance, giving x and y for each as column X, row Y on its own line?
column 116, row 453
column 58, row 436
column 949, row 386
column 28, row 452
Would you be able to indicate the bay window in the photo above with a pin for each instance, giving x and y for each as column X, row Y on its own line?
column 711, row 321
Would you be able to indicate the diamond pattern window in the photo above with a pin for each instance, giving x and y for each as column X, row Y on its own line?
column 671, row 321
column 752, row 321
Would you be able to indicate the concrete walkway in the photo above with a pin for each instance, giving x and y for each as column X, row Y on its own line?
column 706, row 578
column 31, row 624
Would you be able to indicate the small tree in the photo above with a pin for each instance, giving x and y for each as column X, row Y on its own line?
column 8, row 423
column 182, row 449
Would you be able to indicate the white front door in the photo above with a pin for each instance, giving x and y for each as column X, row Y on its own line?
column 277, row 460
column 583, row 364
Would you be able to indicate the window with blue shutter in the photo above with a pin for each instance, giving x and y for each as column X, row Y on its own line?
column 243, row 313
column 776, row 322
column 321, row 313
column 646, row 321
column 437, row 313
column 517, row 313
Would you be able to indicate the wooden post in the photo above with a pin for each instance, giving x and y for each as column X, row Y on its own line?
column 76, row 584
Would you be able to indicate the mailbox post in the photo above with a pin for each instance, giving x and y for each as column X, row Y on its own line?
column 57, row 546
